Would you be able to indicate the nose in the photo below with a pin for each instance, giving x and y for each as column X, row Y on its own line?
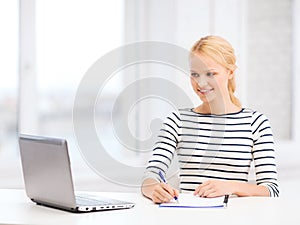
column 201, row 80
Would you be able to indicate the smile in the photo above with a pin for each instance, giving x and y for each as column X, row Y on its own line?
column 205, row 91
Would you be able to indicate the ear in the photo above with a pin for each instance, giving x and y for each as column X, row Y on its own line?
column 230, row 74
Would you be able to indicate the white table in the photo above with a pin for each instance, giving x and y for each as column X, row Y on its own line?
column 16, row 208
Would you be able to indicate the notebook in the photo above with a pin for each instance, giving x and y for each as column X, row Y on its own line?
column 191, row 201
column 48, row 178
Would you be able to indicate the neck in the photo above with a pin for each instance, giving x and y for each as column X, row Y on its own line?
column 220, row 107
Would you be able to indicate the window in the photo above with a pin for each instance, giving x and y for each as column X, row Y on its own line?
column 71, row 36
column 8, row 88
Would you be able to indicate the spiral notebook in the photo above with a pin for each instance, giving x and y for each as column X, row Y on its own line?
column 191, row 201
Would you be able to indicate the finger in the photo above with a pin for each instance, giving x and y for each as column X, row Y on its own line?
column 158, row 197
column 156, row 200
column 213, row 194
column 158, row 194
column 176, row 192
column 206, row 183
column 197, row 190
column 208, row 192
column 169, row 189
column 165, row 192
column 203, row 189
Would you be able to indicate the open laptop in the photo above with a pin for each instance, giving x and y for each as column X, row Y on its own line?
column 48, row 178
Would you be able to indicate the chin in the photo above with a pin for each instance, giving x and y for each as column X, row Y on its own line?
column 204, row 98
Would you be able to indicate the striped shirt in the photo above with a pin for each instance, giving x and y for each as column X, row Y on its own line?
column 212, row 146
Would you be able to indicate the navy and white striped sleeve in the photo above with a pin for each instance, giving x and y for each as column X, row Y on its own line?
column 264, row 154
column 165, row 147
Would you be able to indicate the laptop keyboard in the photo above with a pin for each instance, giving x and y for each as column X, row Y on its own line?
column 87, row 201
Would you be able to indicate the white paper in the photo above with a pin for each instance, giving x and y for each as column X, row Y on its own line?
column 191, row 201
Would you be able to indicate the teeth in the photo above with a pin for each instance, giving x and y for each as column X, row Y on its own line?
column 204, row 91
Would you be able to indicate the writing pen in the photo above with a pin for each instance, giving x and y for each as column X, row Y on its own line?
column 165, row 181
column 226, row 200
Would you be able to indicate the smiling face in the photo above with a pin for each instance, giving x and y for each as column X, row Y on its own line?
column 209, row 79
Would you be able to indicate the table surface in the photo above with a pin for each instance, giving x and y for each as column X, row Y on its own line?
column 16, row 208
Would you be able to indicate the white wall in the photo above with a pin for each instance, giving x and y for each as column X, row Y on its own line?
column 184, row 22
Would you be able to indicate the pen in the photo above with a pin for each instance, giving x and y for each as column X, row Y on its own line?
column 226, row 200
column 165, row 181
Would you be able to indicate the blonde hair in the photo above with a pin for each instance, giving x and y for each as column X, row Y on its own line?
column 221, row 51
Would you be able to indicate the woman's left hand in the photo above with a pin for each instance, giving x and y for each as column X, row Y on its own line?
column 214, row 188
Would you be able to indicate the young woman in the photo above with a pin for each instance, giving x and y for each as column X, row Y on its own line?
column 216, row 141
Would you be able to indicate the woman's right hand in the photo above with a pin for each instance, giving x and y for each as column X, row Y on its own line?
column 158, row 192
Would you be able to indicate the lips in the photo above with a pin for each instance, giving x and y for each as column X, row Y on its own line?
column 205, row 91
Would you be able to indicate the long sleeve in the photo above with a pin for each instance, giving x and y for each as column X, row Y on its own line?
column 264, row 154
column 164, row 148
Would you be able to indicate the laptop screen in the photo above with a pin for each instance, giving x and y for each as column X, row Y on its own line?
column 46, row 170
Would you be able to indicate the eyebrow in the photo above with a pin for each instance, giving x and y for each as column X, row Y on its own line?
column 208, row 70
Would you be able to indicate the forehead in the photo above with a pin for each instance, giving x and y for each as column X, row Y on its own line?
column 203, row 62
